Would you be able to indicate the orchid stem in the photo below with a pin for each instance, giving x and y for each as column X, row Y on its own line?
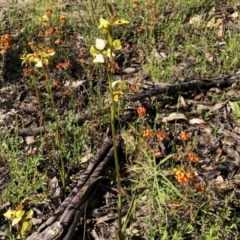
column 113, row 112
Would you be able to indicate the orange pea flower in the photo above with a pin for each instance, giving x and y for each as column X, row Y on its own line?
column 57, row 85
column 147, row 133
column 141, row 111
column 184, row 136
column 140, row 29
column 48, row 10
column 58, row 41
column 49, row 31
column 5, row 41
column 161, row 136
column 58, row 31
column 28, row 72
column 181, row 176
column 3, row 51
column 62, row 19
column 192, row 157
column 50, row 50
column 40, row 34
column 82, row 61
column 200, row 187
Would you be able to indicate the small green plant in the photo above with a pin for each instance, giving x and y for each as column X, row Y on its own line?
column 236, row 109
column 20, row 218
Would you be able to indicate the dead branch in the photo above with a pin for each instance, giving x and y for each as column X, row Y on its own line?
column 160, row 88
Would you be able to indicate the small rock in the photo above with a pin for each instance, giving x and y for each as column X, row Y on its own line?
column 129, row 70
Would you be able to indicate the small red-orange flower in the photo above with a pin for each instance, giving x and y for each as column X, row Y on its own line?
column 48, row 10
column 3, row 51
column 140, row 29
column 153, row 18
column 184, row 136
column 147, row 133
column 49, row 31
column 192, row 157
column 63, row 66
column 41, row 46
column 40, row 34
column 135, row 3
column 57, row 85
column 5, row 38
column 28, row 72
column 5, row 41
column 177, row 158
column 58, row 31
column 200, row 187
column 62, row 19
column 141, row 111
column 181, row 176
column 42, row 77
column 115, row 67
column 127, row 45
column 58, row 41
column 135, row 81
column 79, row 103
column 161, row 136
column 82, row 61
column 154, row 9
column 50, row 50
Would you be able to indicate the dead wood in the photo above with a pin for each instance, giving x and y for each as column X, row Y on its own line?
column 160, row 88
column 62, row 224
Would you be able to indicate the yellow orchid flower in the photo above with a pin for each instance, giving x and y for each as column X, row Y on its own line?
column 119, row 85
column 100, row 44
column 108, row 53
column 105, row 24
column 117, row 44
column 99, row 58
column 93, row 51
column 44, row 19
column 10, row 214
column 117, row 95
column 120, row 22
column 40, row 58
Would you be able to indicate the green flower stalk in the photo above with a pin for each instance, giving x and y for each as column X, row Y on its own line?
column 40, row 60
column 103, row 52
